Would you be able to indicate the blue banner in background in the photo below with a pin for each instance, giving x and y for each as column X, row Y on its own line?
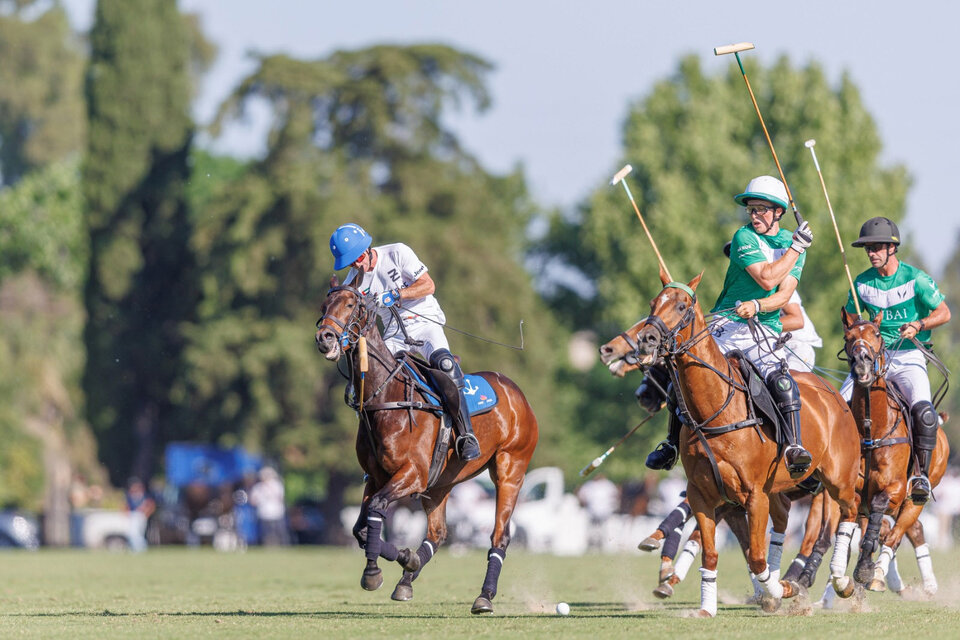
column 189, row 463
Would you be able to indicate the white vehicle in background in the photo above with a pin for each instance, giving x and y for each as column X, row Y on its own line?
column 102, row 529
column 546, row 519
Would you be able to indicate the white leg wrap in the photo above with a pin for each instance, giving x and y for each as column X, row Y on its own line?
column 883, row 562
column 841, row 549
column 770, row 583
column 893, row 576
column 926, row 569
column 757, row 591
column 687, row 556
column 775, row 551
column 708, row 591
column 829, row 595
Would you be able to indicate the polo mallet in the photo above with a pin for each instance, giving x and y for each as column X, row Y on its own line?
column 619, row 177
column 809, row 144
column 587, row 470
column 364, row 365
column 735, row 49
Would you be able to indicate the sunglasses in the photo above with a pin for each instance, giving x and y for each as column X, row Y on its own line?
column 874, row 248
column 759, row 209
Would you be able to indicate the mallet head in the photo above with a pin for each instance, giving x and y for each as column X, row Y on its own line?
column 809, row 143
column 620, row 175
column 732, row 48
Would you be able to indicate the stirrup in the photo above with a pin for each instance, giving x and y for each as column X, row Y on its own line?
column 663, row 457
column 467, row 446
column 919, row 489
column 800, row 462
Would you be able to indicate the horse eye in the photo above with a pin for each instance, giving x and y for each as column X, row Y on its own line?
column 682, row 307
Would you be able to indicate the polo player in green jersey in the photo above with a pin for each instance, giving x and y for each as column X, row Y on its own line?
column 910, row 305
column 765, row 266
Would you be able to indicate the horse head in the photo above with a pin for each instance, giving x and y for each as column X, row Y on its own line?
column 670, row 323
column 863, row 345
column 344, row 317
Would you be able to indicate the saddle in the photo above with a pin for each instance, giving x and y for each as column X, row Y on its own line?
column 760, row 400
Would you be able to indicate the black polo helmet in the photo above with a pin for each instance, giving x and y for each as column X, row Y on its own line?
column 878, row 230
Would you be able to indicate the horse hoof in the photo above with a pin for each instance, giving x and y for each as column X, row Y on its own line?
column 663, row 591
column 402, row 593
column 876, row 585
column 864, row 573
column 703, row 613
column 769, row 604
column 650, row 544
column 844, row 586
column 930, row 588
column 372, row 579
column 481, row 605
column 409, row 560
column 790, row 589
column 666, row 572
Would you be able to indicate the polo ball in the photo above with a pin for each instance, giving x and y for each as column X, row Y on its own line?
column 563, row 609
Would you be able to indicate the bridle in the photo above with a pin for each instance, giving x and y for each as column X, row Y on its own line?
column 668, row 345
column 860, row 349
column 355, row 326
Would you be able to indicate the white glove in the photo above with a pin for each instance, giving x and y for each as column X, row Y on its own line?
column 802, row 238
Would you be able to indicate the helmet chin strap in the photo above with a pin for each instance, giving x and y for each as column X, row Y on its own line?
column 890, row 251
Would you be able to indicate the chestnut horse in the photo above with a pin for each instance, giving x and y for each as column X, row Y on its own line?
column 396, row 440
column 887, row 445
column 723, row 462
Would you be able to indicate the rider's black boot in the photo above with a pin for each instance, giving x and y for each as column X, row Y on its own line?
column 466, row 445
column 786, row 395
column 666, row 453
column 925, row 424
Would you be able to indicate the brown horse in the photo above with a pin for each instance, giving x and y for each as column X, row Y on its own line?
column 396, row 441
column 887, row 445
column 722, row 461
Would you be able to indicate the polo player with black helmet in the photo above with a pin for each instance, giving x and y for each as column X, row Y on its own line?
column 395, row 277
column 765, row 266
column 911, row 305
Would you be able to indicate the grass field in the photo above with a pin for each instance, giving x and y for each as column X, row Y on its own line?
column 315, row 592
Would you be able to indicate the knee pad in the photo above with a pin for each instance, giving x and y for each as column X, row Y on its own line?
column 442, row 359
column 925, row 422
column 784, row 390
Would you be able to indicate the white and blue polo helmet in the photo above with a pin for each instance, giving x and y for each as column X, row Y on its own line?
column 348, row 243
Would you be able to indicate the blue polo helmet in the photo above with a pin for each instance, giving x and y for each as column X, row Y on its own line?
column 348, row 243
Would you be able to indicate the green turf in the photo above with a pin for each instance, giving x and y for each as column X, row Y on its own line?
column 315, row 592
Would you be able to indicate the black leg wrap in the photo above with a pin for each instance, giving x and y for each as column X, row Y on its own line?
column 672, row 528
column 809, row 574
column 871, row 537
column 495, row 559
column 376, row 546
column 795, row 569
column 425, row 553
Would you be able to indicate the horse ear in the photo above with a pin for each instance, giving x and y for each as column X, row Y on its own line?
column 877, row 319
column 693, row 284
column 663, row 276
column 334, row 281
column 846, row 317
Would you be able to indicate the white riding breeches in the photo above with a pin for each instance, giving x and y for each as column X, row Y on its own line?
column 800, row 356
column 732, row 335
column 418, row 328
column 908, row 369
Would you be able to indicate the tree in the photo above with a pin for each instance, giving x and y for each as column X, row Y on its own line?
column 41, row 89
column 694, row 141
column 141, row 286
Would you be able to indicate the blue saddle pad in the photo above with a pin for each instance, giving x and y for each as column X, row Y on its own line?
column 478, row 393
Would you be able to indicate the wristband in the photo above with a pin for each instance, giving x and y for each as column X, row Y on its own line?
column 757, row 302
column 923, row 325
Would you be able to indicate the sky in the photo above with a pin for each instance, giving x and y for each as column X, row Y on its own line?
column 567, row 71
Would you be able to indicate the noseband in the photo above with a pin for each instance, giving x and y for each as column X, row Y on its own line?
column 351, row 330
column 668, row 337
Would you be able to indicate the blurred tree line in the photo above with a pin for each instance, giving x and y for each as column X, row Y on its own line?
column 153, row 291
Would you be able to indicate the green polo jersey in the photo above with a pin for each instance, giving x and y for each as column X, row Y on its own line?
column 749, row 247
column 906, row 296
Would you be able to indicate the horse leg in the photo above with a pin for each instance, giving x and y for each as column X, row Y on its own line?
column 672, row 523
column 915, row 533
column 758, row 510
column 829, row 520
column 672, row 573
column 811, row 533
column 400, row 485
column 868, row 545
column 780, row 515
column 436, row 510
column 736, row 519
column 507, row 476
column 706, row 521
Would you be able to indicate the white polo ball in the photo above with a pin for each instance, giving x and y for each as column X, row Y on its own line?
column 563, row 609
